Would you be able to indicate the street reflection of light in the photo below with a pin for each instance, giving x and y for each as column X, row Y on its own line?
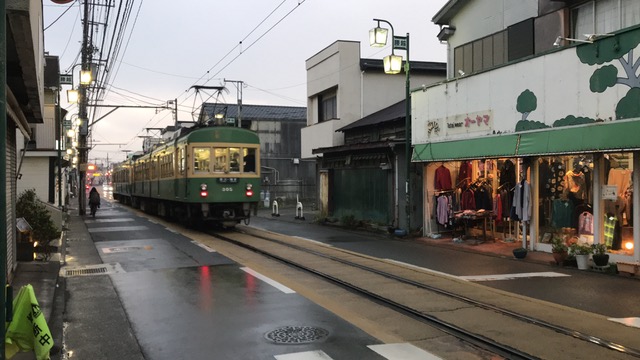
column 206, row 300
column 251, row 288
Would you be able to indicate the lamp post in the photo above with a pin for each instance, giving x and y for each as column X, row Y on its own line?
column 393, row 65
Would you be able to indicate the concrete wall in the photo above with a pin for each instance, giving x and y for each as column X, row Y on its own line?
column 559, row 80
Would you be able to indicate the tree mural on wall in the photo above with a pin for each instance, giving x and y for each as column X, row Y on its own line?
column 620, row 47
column 526, row 103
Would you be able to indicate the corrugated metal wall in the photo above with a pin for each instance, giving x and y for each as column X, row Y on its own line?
column 10, row 191
column 363, row 193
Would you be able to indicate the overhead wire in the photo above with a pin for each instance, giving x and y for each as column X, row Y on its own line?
column 61, row 15
column 300, row 2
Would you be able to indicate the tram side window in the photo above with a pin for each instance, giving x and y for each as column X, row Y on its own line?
column 249, row 160
column 234, row 164
column 182, row 160
column 201, row 160
column 220, row 156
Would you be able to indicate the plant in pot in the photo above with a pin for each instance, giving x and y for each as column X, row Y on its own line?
column 600, row 256
column 520, row 253
column 559, row 249
column 581, row 253
column 34, row 225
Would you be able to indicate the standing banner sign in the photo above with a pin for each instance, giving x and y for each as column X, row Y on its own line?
column 28, row 331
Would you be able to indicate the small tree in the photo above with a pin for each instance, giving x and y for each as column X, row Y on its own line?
column 36, row 214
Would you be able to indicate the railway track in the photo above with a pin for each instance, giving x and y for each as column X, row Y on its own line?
column 500, row 323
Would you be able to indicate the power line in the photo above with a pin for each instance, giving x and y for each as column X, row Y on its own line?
column 61, row 15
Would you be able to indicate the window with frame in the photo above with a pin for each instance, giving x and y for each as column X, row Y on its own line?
column 201, row 160
column 182, row 160
column 234, row 159
column 327, row 106
column 604, row 16
column 220, row 160
column 249, row 160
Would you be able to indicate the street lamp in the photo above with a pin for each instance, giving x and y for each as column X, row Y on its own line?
column 392, row 65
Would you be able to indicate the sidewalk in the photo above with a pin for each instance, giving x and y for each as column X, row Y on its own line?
column 496, row 248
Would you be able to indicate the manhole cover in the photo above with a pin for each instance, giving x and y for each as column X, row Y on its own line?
column 297, row 335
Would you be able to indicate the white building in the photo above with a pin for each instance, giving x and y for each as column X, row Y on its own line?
column 343, row 88
column 552, row 88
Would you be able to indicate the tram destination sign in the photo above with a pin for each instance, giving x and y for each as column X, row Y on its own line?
column 228, row 180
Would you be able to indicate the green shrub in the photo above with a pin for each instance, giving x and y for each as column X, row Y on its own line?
column 36, row 214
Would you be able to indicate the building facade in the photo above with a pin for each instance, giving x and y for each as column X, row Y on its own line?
column 535, row 124
column 24, row 98
column 355, row 131
column 39, row 161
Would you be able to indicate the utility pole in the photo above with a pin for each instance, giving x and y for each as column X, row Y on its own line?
column 238, row 85
column 82, row 114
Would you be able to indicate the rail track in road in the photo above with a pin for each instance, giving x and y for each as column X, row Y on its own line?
column 504, row 324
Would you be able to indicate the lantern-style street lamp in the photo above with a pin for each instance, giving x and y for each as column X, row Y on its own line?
column 393, row 65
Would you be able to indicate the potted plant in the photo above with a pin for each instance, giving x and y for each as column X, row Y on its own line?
column 559, row 249
column 34, row 225
column 581, row 253
column 520, row 253
column 600, row 256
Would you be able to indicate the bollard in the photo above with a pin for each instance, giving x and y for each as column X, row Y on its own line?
column 299, row 207
column 275, row 211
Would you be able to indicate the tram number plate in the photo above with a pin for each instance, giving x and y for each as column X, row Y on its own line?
column 228, row 180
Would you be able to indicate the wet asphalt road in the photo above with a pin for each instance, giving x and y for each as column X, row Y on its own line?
column 173, row 298
column 612, row 296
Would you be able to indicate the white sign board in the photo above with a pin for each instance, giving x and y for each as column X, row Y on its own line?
column 609, row 192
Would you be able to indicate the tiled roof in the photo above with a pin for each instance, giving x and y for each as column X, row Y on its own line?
column 393, row 112
column 257, row 112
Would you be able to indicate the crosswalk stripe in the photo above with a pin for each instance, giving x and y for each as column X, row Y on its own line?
column 307, row 355
column 629, row 321
column 109, row 220
column 203, row 246
column 269, row 281
column 402, row 351
column 117, row 228
column 512, row 276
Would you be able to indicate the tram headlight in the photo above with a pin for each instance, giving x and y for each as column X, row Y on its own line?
column 203, row 190
column 249, row 190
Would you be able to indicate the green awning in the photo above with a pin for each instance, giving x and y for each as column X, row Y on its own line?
column 479, row 148
column 598, row 137
column 609, row 136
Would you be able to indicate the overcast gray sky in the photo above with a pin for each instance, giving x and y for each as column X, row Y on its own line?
column 173, row 45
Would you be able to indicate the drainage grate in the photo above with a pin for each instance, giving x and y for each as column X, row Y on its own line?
column 89, row 270
column 96, row 271
column 297, row 335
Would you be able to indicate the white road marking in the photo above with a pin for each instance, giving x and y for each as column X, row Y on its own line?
column 269, row 281
column 313, row 241
column 307, row 355
column 512, row 276
column 403, row 351
column 117, row 228
column 203, row 246
column 109, row 220
column 629, row 321
column 424, row 269
column 173, row 231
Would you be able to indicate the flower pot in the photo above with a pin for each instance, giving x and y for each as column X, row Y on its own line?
column 582, row 261
column 560, row 257
column 600, row 259
column 520, row 253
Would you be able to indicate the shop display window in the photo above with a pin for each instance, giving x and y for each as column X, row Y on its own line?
column 618, row 203
column 565, row 188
